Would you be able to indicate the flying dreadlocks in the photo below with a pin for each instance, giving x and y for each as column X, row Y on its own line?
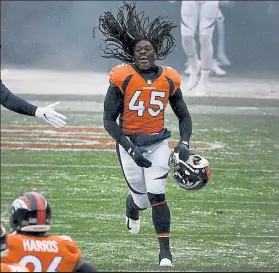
column 138, row 93
column 129, row 27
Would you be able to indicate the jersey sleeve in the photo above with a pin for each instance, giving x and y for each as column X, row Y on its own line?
column 117, row 75
column 174, row 76
column 70, row 248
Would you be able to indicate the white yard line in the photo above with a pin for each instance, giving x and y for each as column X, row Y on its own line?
column 118, row 167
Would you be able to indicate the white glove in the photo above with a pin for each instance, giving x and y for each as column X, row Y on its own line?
column 49, row 115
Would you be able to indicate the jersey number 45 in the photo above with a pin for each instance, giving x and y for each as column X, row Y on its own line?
column 138, row 105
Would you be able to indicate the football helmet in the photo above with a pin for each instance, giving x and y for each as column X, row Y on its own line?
column 3, row 242
column 31, row 212
column 193, row 174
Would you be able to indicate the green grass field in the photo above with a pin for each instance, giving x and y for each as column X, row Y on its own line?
column 231, row 225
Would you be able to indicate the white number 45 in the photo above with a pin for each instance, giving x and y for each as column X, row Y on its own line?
column 138, row 105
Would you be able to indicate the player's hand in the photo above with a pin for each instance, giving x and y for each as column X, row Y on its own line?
column 136, row 153
column 182, row 148
column 49, row 115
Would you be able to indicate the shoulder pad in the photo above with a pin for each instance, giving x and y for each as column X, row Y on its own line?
column 173, row 74
column 118, row 74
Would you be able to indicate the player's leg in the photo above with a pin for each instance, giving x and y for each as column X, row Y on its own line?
column 137, row 199
column 189, row 20
column 134, row 204
column 221, row 55
column 155, row 179
column 208, row 16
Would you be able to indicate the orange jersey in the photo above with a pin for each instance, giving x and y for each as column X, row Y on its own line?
column 144, row 102
column 43, row 254
column 13, row 268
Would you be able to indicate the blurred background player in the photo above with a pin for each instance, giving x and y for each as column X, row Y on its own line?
column 31, row 246
column 21, row 106
column 202, row 14
column 221, row 58
column 4, row 252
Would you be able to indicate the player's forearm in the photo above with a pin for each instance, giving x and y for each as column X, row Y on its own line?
column 20, row 106
column 185, row 128
column 117, row 134
column 15, row 103
column 185, row 121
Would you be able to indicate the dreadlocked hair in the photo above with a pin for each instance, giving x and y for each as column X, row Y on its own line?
column 128, row 28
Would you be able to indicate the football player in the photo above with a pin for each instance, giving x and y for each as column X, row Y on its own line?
column 21, row 106
column 31, row 246
column 205, row 14
column 221, row 57
column 4, row 251
column 138, row 94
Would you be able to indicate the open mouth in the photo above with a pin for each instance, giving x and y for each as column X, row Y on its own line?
column 143, row 59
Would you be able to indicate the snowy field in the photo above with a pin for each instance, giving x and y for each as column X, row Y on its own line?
column 230, row 226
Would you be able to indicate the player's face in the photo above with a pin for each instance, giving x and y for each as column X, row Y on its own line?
column 144, row 55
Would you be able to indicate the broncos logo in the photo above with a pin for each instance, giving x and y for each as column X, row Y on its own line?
column 21, row 202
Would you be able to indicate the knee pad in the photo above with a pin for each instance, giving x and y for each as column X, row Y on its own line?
column 156, row 198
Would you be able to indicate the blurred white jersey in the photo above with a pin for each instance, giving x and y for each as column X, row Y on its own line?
column 203, row 12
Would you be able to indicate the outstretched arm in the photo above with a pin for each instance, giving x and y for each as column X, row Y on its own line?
column 23, row 107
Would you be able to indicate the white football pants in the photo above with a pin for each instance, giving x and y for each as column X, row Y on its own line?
column 143, row 180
